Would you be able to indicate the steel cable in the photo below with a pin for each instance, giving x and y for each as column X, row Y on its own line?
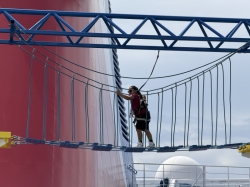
column 30, row 95
column 226, row 56
column 185, row 119
column 198, row 110
column 190, row 99
column 161, row 118
column 101, row 115
column 58, row 105
column 172, row 119
column 175, row 113
column 73, row 107
column 212, row 121
column 230, row 102
column 202, row 116
column 129, row 125
column 156, row 142
column 192, row 77
column 217, row 90
column 114, row 111
column 224, row 107
column 87, row 110
column 45, row 95
column 115, row 75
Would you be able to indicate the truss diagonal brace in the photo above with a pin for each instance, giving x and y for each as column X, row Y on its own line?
column 65, row 27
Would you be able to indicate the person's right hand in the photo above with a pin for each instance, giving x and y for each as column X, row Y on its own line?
column 118, row 92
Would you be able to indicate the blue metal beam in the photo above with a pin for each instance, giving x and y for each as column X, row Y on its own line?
column 108, row 19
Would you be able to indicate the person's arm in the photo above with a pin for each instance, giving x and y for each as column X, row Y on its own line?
column 127, row 97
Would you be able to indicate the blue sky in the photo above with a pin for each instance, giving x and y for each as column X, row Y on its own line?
column 138, row 63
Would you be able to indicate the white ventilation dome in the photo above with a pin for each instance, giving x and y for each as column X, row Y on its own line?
column 179, row 167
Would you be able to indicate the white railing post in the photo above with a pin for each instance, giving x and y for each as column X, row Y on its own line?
column 133, row 176
column 163, row 176
column 227, row 176
column 249, row 178
column 144, row 174
column 196, row 175
column 204, row 176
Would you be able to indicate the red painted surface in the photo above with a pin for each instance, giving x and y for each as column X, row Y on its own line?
column 47, row 166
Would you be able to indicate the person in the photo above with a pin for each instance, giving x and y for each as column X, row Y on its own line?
column 142, row 115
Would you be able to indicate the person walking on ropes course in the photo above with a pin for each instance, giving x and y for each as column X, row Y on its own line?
column 142, row 115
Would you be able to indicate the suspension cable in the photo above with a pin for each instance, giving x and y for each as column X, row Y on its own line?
column 185, row 119
column 161, row 118
column 198, row 83
column 230, row 102
column 73, row 107
column 172, row 119
column 192, row 77
column 224, row 107
column 158, row 106
column 129, row 125
column 45, row 98
column 30, row 93
column 212, row 121
column 190, row 98
column 226, row 56
column 175, row 112
column 87, row 110
column 115, row 125
column 126, row 77
column 217, row 90
column 202, row 116
column 101, row 115
column 58, row 104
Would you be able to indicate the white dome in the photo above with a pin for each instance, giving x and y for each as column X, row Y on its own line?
column 179, row 167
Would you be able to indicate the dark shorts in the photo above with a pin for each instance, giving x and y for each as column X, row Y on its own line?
column 142, row 124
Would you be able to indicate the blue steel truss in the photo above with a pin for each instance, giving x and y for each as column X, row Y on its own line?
column 65, row 29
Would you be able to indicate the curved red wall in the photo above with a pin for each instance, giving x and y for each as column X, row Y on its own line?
column 47, row 166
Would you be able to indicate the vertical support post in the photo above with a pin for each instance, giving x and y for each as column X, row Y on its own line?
column 204, row 176
column 144, row 175
column 196, row 176
column 228, row 176
column 249, row 178
column 163, row 175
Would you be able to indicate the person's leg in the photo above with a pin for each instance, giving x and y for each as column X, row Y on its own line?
column 149, row 135
column 139, row 135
